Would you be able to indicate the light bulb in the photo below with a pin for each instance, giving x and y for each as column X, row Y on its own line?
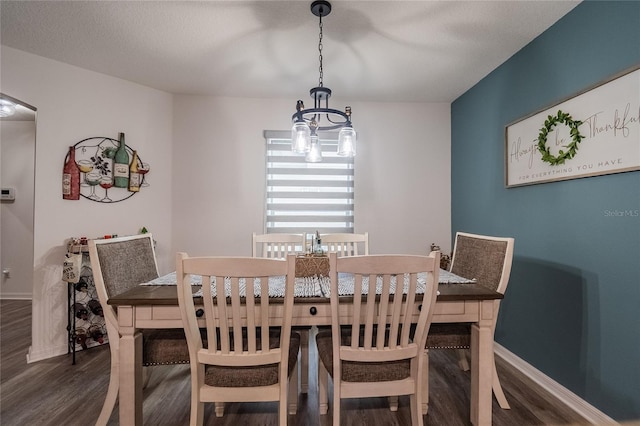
column 300, row 137
column 347, row 142
column 315, row 152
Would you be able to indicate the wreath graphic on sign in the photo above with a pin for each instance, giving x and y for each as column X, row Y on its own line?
column 572, row 148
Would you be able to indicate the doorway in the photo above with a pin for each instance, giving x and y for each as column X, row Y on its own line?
column 17, row 179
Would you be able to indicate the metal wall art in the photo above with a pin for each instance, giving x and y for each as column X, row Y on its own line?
column 103, row 170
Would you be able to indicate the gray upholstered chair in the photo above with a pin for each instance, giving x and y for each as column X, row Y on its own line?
column 236, row 365
column 119, row 264
column 372, row 350
column 488, row 260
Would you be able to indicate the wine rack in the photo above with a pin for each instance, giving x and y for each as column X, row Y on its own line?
column 85, row 322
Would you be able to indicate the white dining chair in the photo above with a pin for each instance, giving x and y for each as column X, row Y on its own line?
column 250, row 352
column 372, row 350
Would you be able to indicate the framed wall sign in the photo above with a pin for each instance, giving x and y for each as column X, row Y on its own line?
column 595, row 132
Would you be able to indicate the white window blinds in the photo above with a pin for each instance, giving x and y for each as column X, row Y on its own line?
column 307, row 197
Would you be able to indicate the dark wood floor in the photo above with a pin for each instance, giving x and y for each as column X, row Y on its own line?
column 54, row 392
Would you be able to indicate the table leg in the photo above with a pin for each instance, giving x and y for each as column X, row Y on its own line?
column 304, row 360
column 130, row 395
column 481, row 368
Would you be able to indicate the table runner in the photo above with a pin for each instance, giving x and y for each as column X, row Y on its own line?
column 308, row 286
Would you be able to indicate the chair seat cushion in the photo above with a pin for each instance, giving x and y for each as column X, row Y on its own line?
column 449, row 336
column 263, row 375
column 164, row 346
column 360, row 371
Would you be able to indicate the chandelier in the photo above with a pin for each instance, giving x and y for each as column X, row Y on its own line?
column 308, row 122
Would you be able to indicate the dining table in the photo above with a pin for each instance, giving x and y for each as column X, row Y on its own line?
column 155, row 305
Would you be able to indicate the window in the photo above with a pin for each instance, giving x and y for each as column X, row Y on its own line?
column 305, row 197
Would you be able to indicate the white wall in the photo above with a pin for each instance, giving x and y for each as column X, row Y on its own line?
column 74, row 104
column 207, row 159
column 402, row 191
column 17, row 151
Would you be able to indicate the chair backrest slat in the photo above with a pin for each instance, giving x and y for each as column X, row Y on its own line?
column 382, row 311
column 370, row 311
column 236, row 318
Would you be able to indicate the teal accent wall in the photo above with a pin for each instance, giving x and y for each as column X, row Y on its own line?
column 572, row 308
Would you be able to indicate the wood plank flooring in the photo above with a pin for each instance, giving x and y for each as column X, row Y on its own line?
column 54, row 392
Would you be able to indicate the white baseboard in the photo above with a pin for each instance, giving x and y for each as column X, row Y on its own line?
column 573, row 401
column 33, row 356
column 16, row 296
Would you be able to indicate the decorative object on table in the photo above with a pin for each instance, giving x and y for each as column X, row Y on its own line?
column 604, row 120
column 98, row 163
column 308, row 122
column 317, row 250
column 311, row 266
column 71, row 177
column 445, row 259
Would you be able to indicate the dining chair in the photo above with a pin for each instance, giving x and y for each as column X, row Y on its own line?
column 372, row 350
column 118, row 265
column 251, row 351
column 277, row 245
column 346, row 244
column 488, row 260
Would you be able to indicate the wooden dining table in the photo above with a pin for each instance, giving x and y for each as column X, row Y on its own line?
column 156, row 306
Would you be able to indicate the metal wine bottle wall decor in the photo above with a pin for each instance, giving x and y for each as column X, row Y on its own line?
column 103, row 170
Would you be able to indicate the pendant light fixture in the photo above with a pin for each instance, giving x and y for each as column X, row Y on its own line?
column 308, row 122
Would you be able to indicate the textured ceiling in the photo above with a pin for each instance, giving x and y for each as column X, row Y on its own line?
column 422, row 51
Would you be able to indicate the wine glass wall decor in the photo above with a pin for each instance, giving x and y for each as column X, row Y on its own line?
column 110, row 170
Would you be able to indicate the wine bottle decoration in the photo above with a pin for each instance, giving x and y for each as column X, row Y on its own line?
column 99, row 168
column 95, row 332
column 82, row 286
column 71, row 177
column 134, row 175
column 121, row 164
column 81, row 337
column 80, row 311
column 95, row 307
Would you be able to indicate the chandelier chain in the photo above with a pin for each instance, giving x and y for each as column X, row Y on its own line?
column 320, row 78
